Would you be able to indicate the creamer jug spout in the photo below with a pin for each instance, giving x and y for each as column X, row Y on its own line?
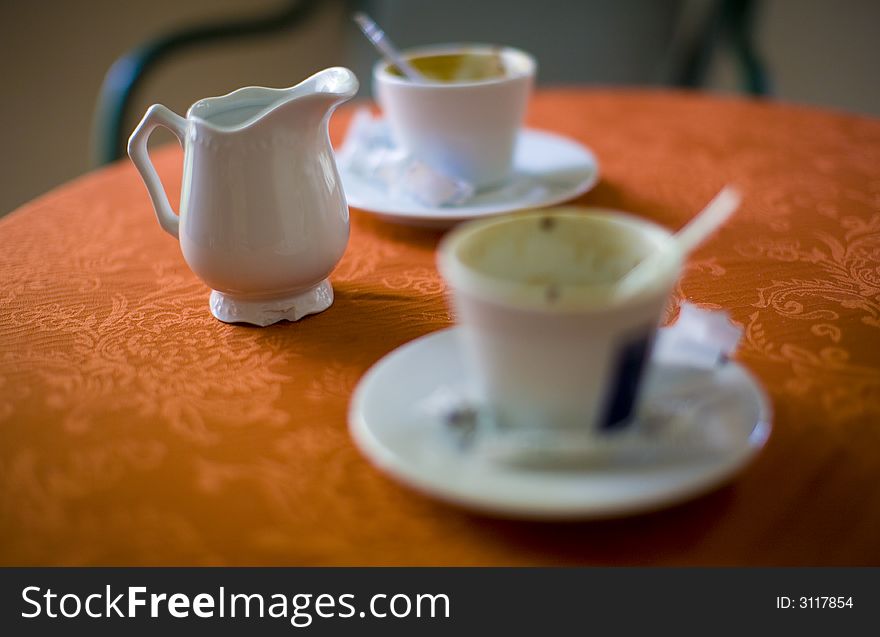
column 321, row 93
column 338, row 84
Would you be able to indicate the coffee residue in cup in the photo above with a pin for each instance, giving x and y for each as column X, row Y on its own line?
column 556, row 251
column 457, row 67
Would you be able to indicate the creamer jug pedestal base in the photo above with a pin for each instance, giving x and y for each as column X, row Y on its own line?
column 265, row 312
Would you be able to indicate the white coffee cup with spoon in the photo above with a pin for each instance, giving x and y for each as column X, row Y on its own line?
column 456, row 107
column 558, row 310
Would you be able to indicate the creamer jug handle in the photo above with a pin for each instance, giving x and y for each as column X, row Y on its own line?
column 156, row 115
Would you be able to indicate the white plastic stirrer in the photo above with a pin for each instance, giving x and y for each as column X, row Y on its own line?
column 697, row 230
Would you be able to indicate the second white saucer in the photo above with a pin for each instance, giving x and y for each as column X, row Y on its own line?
column 548, row 169
column 413, row 445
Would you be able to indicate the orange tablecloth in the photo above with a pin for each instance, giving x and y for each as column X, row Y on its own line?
column 136, row 429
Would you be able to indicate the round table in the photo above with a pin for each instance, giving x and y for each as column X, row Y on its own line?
column 137, row 429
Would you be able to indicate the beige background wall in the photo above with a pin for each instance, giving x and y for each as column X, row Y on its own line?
column 55, row 53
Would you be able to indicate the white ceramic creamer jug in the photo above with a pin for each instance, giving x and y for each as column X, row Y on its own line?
column 263, row 218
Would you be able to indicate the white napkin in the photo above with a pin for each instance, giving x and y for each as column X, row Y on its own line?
column 369, row 152
column 699, row 338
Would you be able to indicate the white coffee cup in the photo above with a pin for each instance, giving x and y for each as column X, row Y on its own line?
column 464, row 128
column 548, row 340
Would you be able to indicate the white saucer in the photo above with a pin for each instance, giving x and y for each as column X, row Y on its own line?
column 409, row 443
column 548, row 169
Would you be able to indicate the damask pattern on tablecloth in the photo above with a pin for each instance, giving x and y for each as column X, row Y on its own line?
column 840, row 305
